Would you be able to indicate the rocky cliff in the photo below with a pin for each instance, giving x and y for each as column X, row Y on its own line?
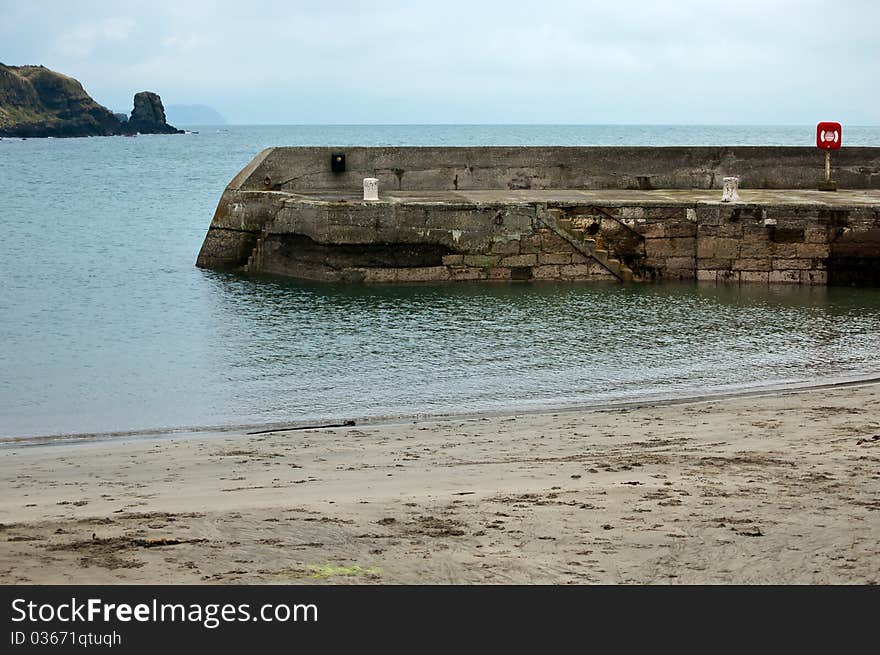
column 38, row 102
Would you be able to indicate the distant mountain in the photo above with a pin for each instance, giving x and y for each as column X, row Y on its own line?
column 38, row 102
column 194, row 115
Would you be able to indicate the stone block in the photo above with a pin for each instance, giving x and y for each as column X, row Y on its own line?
column 708, row 215
column 498, row 273
column 706, row 276
column 422, row 274
column 385, row 275
column 520, row 260
column 713, row 263
column 814, row 250
column 630, row 212
column 554, row 258
column 745, row 264
column 793, row 232
column 652, row 230
column 552, row 242
column 724, row 230
column 762, row 277
column 682, row 247
column 816, row 235
column 814, row 277
column 784, row 250
column 453, row 260
column 720, row 247
column 545, row 272
column 755, row 247
column 785, row 277
column 728, row 276
column 460, row 274
column 481, row 261
column 680, row 230
column 677, row 263
column 581, row 271
column 378, row 275
column 532, row 243
column 597, row 270
column 792, row 264
column 510, row 247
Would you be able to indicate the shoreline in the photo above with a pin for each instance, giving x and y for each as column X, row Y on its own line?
column 776, row 488
column 245, row 429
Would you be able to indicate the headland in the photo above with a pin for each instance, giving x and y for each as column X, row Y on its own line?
column 38, row 102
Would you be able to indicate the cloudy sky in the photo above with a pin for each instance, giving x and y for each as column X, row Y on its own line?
column 579, row 61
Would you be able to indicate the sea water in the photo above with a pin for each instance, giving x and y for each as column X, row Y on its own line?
column 106, row 324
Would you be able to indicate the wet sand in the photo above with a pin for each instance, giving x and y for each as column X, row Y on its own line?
column 781, row 488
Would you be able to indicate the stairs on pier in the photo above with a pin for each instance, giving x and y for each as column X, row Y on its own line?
column 255, row 259
column 556, row 221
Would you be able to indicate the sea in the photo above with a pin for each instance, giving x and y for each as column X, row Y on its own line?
column 107, row 326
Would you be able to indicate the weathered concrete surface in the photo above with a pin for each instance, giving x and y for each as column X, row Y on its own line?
column 449, row 169
column 263, row 223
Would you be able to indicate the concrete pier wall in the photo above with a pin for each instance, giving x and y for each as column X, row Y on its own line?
column 551, row 213
column 553, row 167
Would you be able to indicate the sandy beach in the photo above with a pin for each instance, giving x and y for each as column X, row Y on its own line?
column 777, row 488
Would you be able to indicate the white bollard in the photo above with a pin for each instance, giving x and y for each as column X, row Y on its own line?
column 371, row 188
column 730, row 192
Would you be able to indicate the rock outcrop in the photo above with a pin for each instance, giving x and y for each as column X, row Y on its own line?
column 148, row 116
column 38, row 102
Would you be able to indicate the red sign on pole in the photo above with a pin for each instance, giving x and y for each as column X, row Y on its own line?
column 828, row 135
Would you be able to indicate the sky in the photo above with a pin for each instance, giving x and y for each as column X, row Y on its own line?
column 767, row 62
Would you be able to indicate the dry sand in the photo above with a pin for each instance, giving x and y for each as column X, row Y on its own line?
column 782, row 488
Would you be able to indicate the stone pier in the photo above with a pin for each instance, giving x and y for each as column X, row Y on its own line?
column 573, row 214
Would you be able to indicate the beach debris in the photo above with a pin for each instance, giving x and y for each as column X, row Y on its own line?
column 429, row 526
column 754, row 532
column 870, row 439
column 344, row 424
column 152, row 543
column 319, row 571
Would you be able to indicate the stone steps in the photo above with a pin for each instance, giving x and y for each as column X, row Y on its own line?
column 555, row 220
column 255, row 259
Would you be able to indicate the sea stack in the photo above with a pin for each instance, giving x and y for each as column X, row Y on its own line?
column 148, row 116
